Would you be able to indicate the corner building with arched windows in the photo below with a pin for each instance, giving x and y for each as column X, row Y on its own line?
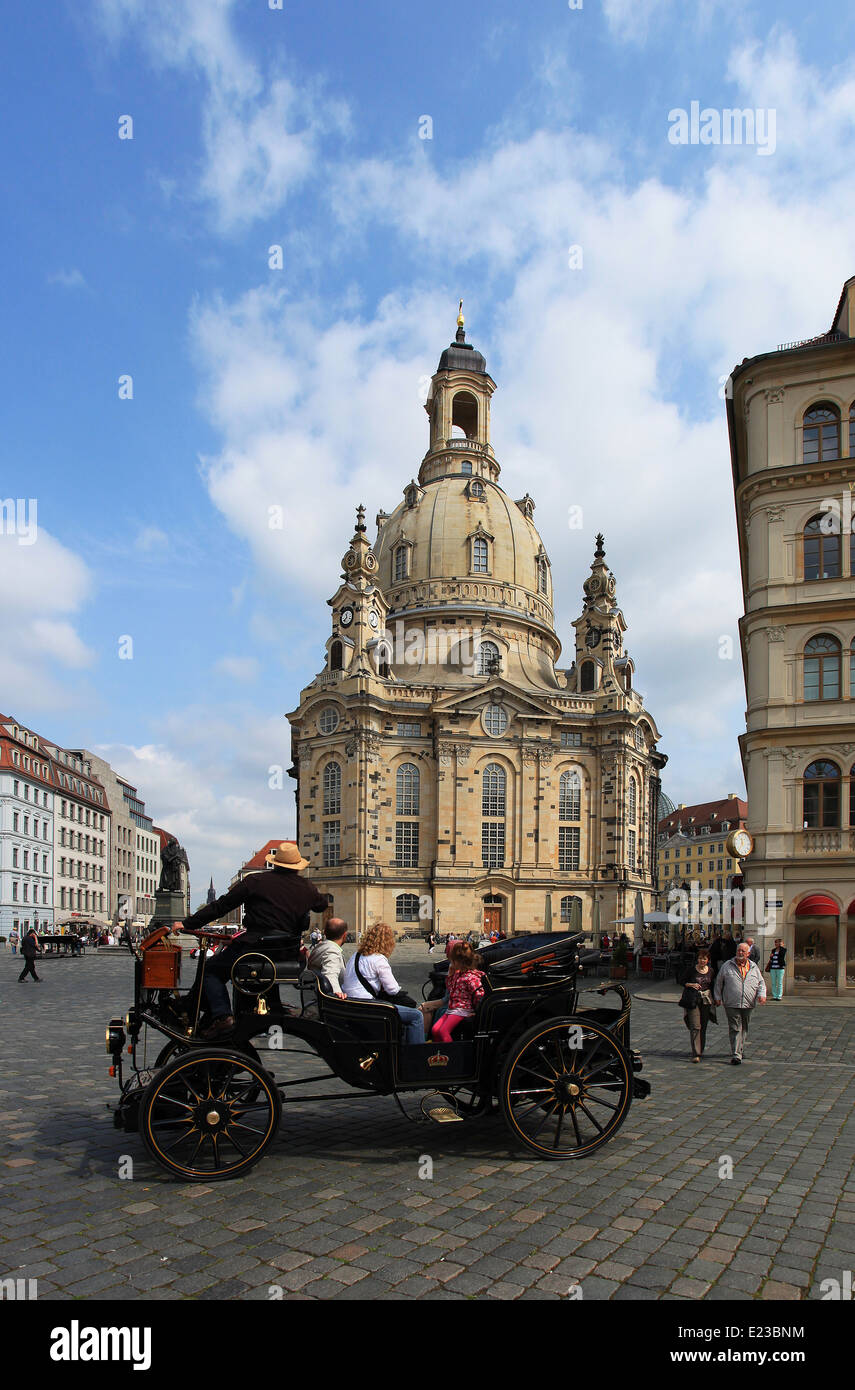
column 791, row 416
column 449, row 772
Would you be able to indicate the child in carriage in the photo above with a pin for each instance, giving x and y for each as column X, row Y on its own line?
column 465, row 990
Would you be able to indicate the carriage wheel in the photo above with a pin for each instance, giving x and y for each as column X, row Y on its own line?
column 209, row 1114
column 566, row 1088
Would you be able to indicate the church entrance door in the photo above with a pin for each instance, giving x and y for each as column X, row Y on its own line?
column 492, row 920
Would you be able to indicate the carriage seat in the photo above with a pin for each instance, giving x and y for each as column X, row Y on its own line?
column 364, row 1020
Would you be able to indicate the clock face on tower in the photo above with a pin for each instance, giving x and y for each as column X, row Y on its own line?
column 373, row 618
column 742, row 843
column 346, row 617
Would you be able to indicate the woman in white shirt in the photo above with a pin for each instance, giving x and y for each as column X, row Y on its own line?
column 371, row 961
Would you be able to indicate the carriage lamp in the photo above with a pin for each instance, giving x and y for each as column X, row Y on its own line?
column 115, row 1037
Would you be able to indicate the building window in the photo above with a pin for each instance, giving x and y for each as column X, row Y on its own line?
column 570, row 796
column 632, row 802
column 493, row 844
column 409, row 730
column 588, row 677
column 336, row 656
column 14, row 858
column 493, row 790
column 822, row 668
column 821, row 433
column 630, row 847
column 332, row 843
column 466, row 467
column 493, row 808
column 329, row 720
column 495, row 720
column 542, row 582
column 567, row 907
column 406, row 907
column 407, row 790
column 476, row 490
column 332, row 789
column 480, row 556
column 402, row 565
column 568, row 847
column 821, row 796
column 639, row 738
column 487, row 660
column 570, row 740
column 407, row 843
column 822, row 548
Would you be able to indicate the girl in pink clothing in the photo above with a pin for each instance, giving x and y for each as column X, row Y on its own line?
column 465, row 990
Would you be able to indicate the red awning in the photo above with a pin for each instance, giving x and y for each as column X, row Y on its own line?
column 818, row 905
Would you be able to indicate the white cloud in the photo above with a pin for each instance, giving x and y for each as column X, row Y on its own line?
column 44, row 586
column 260, row 132
column 69, row 279
column 151, row 538
column 240, row 668
column 207, row 779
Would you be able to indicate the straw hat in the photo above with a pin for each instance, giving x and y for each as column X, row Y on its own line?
column 285, row 856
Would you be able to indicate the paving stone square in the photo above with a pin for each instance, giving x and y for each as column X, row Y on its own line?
column 336, row 1208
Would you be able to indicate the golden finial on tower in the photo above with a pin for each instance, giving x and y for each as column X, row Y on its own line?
column 460, row 319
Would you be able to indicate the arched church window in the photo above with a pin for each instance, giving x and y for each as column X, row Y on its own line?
column 402, row 562
column 332, row 789
column 821, row 795
column 493, row 804
column 587, row 678
column 821, row 433
column 542, row 583
column 822, row 668
column 488, row 661
column 476, row 490
column 632, row 802
column 480, row 556
column 567, row 907
column 407, row 804
column 822, row 547
column 406, row 907
column 569, row 809
column 407, row 790
column 466, row 467
column 336, row 657
column 569, row 796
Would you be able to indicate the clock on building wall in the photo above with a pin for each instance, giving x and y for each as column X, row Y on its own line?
column 739, row 844
column 346, row 617
column 373, row 618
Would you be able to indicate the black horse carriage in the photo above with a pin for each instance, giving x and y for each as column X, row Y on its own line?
column 563, row 1076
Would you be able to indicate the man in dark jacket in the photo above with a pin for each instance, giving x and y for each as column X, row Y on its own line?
column 30, row 948
column 275, row 904
column 723, row 948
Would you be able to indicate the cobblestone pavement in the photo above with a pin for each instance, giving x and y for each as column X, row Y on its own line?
column 337, row 1209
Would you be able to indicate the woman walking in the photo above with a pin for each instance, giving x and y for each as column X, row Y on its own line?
column 776, row 967
column 696, row 1001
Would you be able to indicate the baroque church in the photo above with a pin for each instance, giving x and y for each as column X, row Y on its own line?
column 449, row 773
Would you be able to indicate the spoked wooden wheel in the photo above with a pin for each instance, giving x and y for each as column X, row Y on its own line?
column 209, row 1114
column 566, row 1088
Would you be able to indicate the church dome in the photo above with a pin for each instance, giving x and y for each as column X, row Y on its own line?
column 466, row 529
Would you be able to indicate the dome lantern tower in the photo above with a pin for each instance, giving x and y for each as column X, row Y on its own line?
column 458, row 404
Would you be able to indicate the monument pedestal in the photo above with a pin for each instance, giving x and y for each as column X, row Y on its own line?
column 169, row 907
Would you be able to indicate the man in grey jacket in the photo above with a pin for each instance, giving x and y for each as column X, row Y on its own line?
column 739, row 985
column 326, row 958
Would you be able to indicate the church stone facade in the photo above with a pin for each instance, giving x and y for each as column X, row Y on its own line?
column 449, row 772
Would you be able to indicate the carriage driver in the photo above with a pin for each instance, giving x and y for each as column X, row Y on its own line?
column 274, row 903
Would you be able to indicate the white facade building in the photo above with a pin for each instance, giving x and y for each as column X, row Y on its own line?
column 26, row 832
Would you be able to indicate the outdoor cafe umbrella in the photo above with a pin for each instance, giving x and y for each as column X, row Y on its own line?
column 595, row 921
column 638, row 930
column 547, row 916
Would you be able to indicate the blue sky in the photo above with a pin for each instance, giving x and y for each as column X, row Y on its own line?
column 255, row 127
